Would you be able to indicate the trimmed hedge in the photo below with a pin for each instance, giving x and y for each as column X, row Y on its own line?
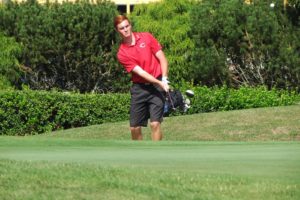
column 223, row 98
column 35, row 112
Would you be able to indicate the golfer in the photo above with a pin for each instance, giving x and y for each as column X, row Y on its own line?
column 142, row 56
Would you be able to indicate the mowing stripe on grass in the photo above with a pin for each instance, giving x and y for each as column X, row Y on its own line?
column 268, row 159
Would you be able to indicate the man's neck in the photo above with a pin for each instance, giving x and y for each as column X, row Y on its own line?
column 129, row 40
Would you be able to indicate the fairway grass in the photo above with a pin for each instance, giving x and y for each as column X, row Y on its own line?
column 238, row 155
column 33, row 168
column 260, row 124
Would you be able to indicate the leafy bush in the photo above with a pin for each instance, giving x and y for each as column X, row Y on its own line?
column 252, row 44
column 169, row 22
column 31, row 112
column 34, row 112
column 9, row 66
column 72, row 46
column 223, row 98
column 231, row 42
column 68, row 46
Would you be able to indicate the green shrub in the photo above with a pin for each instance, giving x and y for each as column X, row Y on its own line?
column 32, row 112
column 238, row 44
column 169, row 22
column 72, row 46
column 68, row 46
column 10, row 71
column 223, row 98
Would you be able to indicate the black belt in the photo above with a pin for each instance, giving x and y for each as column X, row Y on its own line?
column 159, row 78
column 143, row 83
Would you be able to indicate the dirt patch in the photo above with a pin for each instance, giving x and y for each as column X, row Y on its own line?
column 280, row 131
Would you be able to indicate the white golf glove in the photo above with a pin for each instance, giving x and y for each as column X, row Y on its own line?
column 166, row 83
column 165, row 80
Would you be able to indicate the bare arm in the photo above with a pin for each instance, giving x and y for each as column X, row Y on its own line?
column 163, row 62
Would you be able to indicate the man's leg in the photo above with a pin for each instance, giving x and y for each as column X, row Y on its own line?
column 156, row 131
column 136, row 133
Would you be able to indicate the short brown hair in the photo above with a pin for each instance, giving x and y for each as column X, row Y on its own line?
column 119, row 18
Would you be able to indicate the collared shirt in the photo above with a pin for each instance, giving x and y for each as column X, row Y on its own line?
column 142, row 54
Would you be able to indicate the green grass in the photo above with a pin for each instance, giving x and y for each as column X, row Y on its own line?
column 261, row 124
column 246, row 154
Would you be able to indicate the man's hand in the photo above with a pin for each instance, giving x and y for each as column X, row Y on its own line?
column 165, row 82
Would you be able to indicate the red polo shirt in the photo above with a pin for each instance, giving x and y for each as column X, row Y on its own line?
column 141, row 54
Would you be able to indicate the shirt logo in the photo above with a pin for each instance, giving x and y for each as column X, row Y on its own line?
column 143, row 45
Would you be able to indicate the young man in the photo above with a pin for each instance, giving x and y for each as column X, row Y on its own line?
column 142, row 56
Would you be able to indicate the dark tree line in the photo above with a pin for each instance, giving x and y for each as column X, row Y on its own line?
column 72, row 46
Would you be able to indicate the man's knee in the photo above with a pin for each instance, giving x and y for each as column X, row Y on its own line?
column 136, row 133
column 134, row 129
column 155, row 125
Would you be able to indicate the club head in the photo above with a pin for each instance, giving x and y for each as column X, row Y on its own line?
column 189, row 93
column 187, row 102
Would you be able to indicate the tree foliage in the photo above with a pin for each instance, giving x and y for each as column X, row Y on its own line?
column 169, row 22
column 73, row 46
column 68, row 46
column 238, row 44
column 10, row 72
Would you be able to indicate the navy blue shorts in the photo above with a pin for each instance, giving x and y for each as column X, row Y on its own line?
column 147, row 102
